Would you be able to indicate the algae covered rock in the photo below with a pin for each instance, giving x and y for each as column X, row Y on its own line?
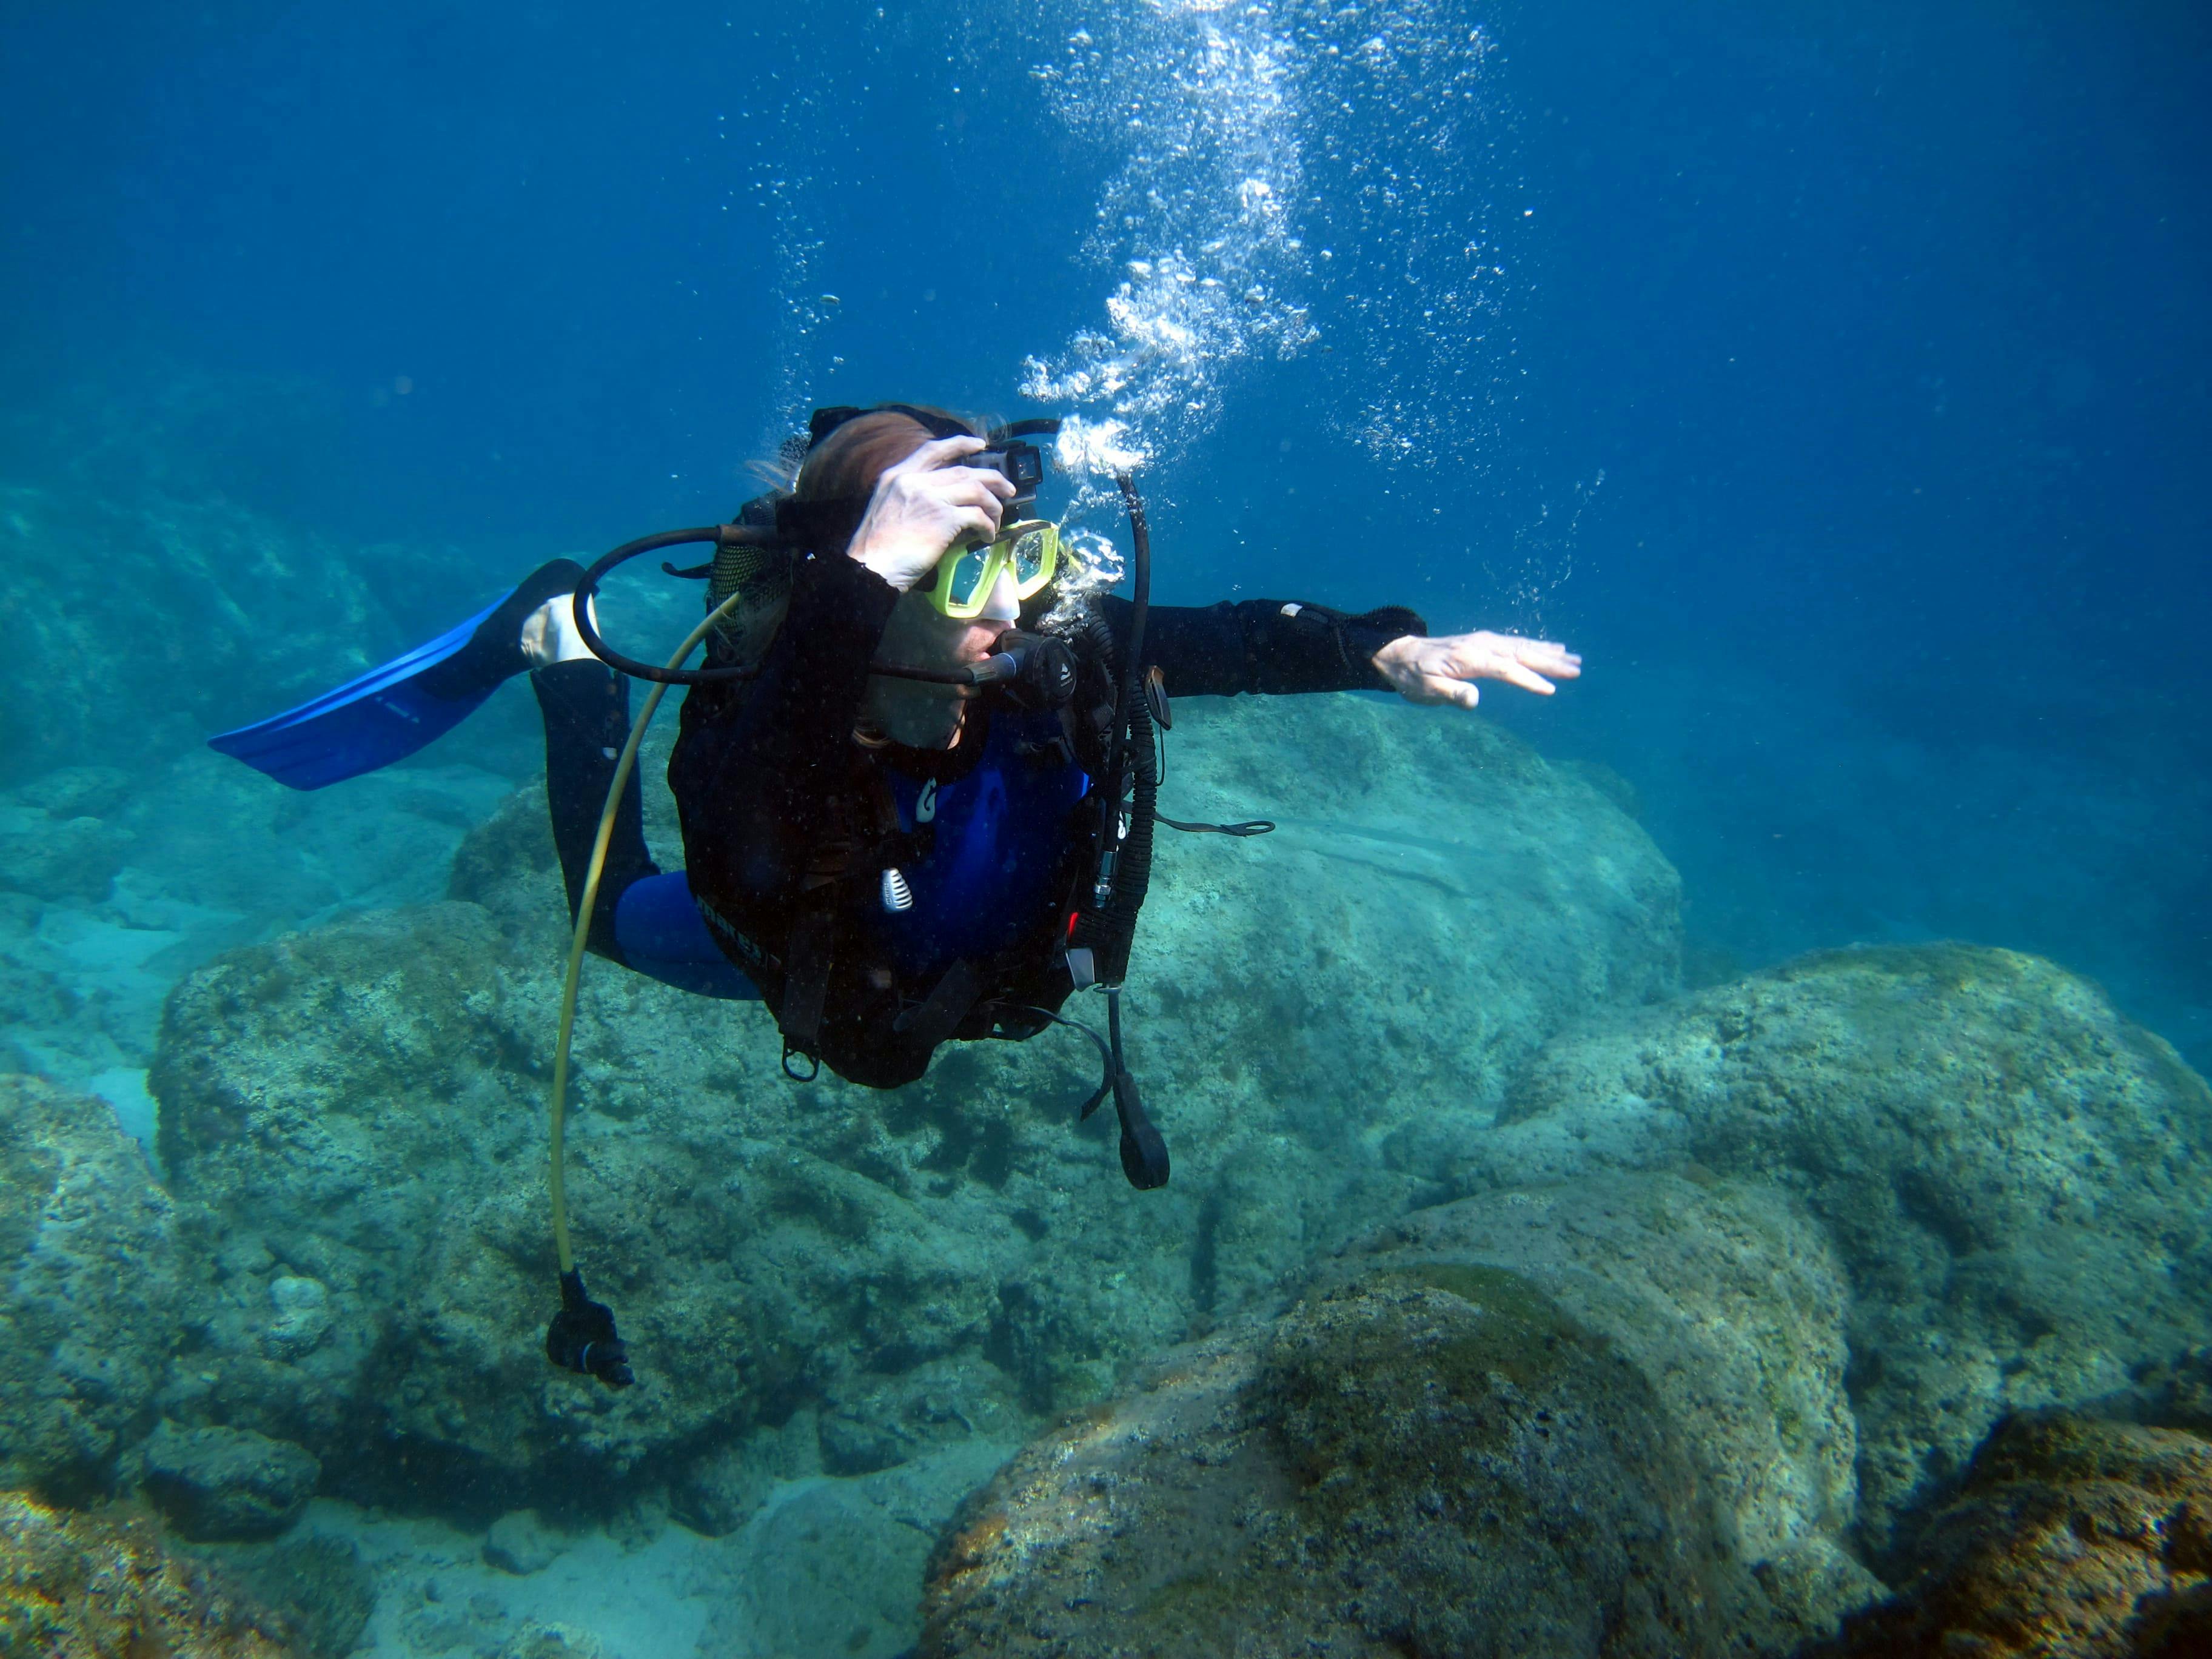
column 254, row 617
column 2071, row 1539
column 543, row 1639
column 286, row 1177
column 88, row 1253
column 314, row 1583
column 835, row 1565
column 2017, row 1180
column 58, row 839
column 362, row 1106
column 95, row 1587
column 217, row 1483
column 520, row 1543
column 1475, row 1436
column 1730, row 1301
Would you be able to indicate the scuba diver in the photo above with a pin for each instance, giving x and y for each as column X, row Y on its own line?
column 915, row 778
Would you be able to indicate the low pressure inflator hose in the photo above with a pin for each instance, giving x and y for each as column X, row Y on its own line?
column 582, row 1336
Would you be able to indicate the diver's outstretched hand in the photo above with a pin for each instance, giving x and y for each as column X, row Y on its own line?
column 923, row 505
column 1445, row 670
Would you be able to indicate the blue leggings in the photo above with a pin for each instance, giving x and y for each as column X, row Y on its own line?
column 659, row 932
column 643, row 920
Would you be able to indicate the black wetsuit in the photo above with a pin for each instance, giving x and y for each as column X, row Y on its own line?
column 789, row 819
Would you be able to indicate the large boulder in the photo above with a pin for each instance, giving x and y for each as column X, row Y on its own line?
column 835, row 1566
column 88, row 1323
column 2017, row 1180
column 143, row 621
column 226, row 1484
column 362, row 1106
column 2071, row 1538
column 1731, row 1301
column 315, row 1581
column 113, row 602
column 57, row 834
column 1604, row 1421
column 79, row 1584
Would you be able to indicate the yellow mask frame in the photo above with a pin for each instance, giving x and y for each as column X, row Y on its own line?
column 1028, row 551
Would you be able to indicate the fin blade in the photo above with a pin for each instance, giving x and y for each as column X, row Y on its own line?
column 372, row 720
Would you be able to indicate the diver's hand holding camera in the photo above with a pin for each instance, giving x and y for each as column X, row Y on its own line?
column 925, row 506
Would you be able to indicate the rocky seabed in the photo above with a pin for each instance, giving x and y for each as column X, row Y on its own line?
column 1508, row 1298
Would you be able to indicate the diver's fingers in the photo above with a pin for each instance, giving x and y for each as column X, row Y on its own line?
column 969, row 488
column 977, row 522
column 938, row 452
column 1469, row 656
column 1514, row 674
column 1438, row 688
column 1505, row 657
column 1548, row 657
column 997, row 483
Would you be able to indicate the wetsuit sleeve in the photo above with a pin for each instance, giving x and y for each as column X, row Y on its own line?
column 1264, row 645
column 756, row 772
column 816, row 673
column 587, row 709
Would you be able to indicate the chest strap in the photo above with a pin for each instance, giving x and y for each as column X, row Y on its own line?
column 932, row 1020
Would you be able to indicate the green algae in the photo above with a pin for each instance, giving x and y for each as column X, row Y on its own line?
column 1415, row 1376
column 1205, row 1610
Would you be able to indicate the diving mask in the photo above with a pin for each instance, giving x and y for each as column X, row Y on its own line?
column 1026, row 555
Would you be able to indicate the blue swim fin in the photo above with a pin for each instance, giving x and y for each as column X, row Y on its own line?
column 390, row 711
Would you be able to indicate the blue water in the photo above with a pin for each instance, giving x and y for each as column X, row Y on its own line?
column 1884, row 326
column 1833, row 377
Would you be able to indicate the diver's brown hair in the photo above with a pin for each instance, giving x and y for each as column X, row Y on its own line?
column 846, row 465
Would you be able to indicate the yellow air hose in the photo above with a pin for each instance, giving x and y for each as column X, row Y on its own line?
column 585, row 906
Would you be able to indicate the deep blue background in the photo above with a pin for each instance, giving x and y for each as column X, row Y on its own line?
column 1886, row 323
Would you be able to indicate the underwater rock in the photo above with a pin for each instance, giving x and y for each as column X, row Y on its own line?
column 252, row 616
column 1730, row 1301
column 88, row 1252
column 1599, row 1421
column 540, row 1639
column 109, row 1589
column 2018, row 1182
column 721, row 1490
column 835, row 1565
column 2175, row 1394
column 217, row 1483
column 56, row 841
column 316, row 1583
column 2071, row 1539
column 519, row 1543
column 363, row 1105
column 303, row 1314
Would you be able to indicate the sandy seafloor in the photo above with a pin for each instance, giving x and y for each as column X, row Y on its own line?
column 653, row 1595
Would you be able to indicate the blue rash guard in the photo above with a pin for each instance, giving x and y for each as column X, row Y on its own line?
column 996, row 836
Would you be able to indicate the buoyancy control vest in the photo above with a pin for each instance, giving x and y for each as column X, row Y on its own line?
column 889, row 899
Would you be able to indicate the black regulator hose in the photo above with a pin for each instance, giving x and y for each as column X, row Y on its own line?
column 1110, row 929
column 728, row 535
column 722, row 535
